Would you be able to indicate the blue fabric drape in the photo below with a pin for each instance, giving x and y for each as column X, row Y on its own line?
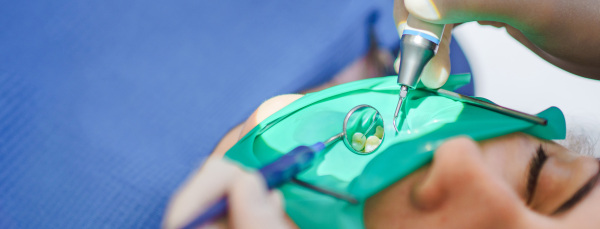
column 107, row 106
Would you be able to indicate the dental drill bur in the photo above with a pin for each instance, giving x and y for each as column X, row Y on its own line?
column 418, row 44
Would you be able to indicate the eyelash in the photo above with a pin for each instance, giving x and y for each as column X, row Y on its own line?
column 534, row 171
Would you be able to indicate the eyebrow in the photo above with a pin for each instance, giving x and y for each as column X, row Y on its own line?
column 535, row 167
column 582, row 192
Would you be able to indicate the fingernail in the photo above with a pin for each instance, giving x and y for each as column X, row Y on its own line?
column 436, row 72
column 437, row 79
column 425, row 9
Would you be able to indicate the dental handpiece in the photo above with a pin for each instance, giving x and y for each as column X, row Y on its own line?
column 418, row 44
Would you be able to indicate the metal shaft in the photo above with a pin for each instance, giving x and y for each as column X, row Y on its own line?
column 490, row 106
column 402, row 95
column 415, row 53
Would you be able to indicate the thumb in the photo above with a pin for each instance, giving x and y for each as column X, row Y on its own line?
column 436, row 71
column 252, row 206
column 458, row 11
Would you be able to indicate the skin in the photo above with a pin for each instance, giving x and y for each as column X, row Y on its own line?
column 468, row 185
column 562, row 32
column 483, row 185
column 225, row 178
column 245, row 189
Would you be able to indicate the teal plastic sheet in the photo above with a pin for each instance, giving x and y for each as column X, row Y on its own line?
column 426, row 121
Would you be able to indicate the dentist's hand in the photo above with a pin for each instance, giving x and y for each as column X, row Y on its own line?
column 565, row 33
column 251, row 205
column 436, row 71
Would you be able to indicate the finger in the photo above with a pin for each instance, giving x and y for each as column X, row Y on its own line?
column 456, row 11
column 252, row 205
column 200, row 191
column 400, row 15
column 217, row 224
column 397, row 64
column 519, row 36
column 492, row 23
column 276, row 199
column 436, row 71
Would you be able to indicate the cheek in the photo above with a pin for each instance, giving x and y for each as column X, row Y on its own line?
column 508, row 162
column 552, row 188
column 585, row 214
column 487, row 204
column 391, row 207
column 475, row 206
column 509, row 158
column 559, row 180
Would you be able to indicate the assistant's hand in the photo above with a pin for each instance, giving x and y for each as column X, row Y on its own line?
column 563, row 32
column 251, row 205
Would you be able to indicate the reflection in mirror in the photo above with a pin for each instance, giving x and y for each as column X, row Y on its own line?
column 363, row 129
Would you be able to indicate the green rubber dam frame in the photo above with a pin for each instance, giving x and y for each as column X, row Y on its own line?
column 426, row 121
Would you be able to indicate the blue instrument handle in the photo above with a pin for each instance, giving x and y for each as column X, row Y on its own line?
column 289, row 165
column 275, row 174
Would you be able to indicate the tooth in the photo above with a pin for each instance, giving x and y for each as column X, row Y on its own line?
column 358, row 141
column 379, row 132
column 372, row 143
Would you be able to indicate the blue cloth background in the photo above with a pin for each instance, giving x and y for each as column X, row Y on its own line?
column 107, row 106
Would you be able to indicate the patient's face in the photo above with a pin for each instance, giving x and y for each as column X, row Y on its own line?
column 515, row 181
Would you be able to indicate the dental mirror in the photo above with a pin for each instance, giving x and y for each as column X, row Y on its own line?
column 363, row 129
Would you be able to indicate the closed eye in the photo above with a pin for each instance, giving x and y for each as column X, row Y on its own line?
column 535, row 167
column 582, row 192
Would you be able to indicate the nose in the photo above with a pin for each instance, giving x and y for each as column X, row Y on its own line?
column 459, row 182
